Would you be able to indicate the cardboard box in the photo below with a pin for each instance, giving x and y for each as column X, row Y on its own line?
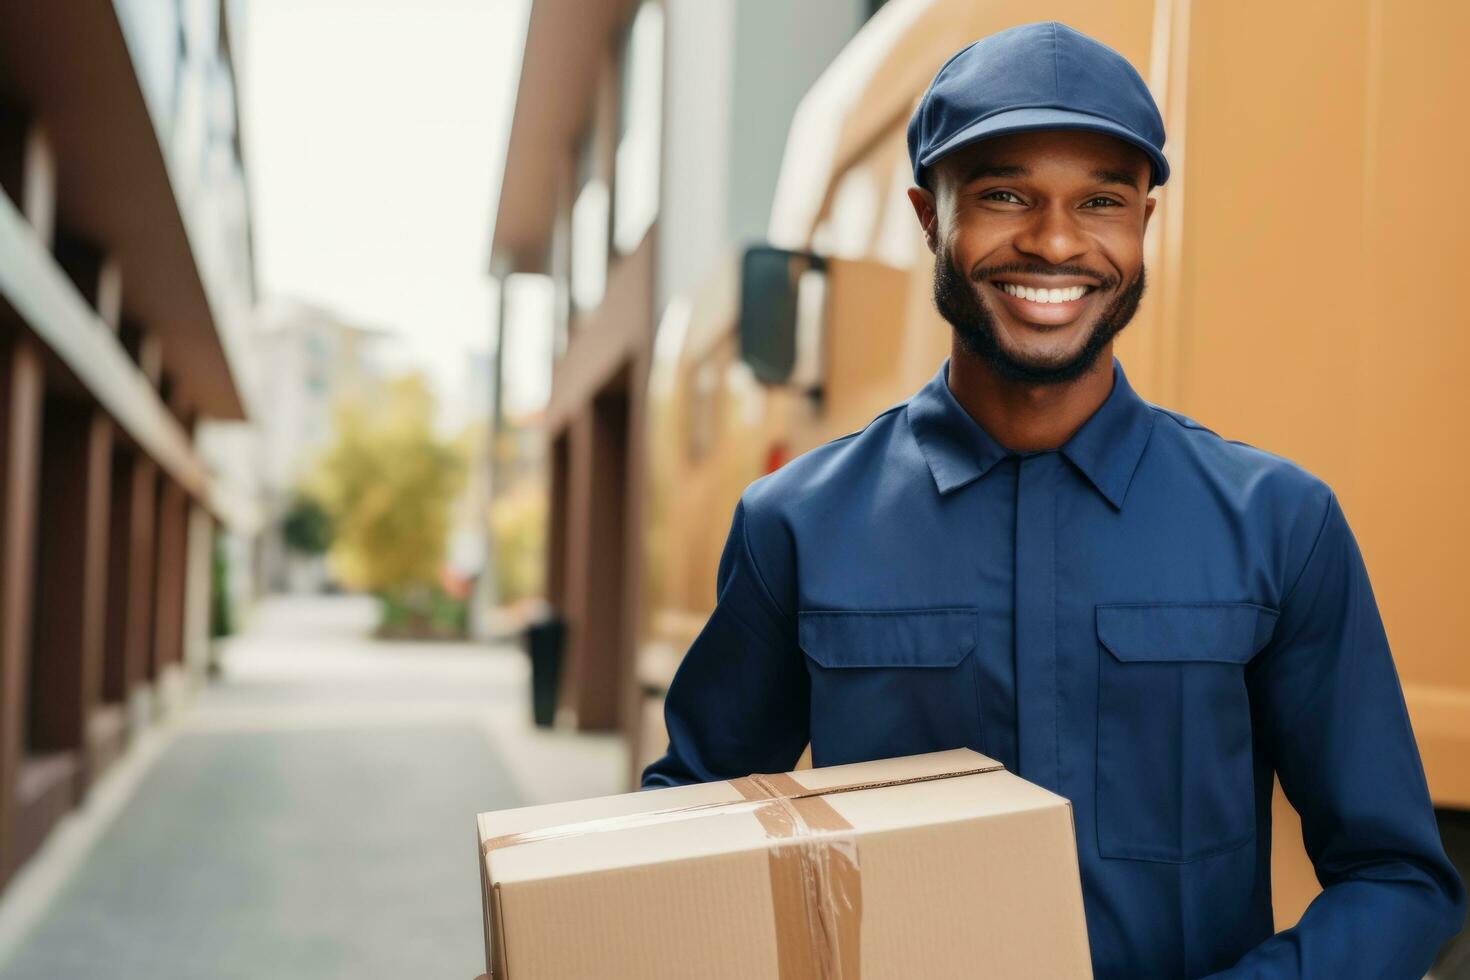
column 934, row 866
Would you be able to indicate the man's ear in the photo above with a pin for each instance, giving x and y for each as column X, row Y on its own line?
column 1148, row 211
column 928, row 215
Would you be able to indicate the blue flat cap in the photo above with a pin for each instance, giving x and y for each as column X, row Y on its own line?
column 1036, row 76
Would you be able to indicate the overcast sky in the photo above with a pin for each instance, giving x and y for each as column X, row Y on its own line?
column 374, row 134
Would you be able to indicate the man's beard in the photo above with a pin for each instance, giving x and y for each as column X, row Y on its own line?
column 975, row 328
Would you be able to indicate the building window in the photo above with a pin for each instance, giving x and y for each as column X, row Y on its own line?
column 589, row 228
column 526, row 360
column 640, row 127
column 559, row 266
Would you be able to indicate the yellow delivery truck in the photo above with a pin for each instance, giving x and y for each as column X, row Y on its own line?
column 1302, row 268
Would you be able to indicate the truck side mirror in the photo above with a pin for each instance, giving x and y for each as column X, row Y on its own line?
column 782, row 300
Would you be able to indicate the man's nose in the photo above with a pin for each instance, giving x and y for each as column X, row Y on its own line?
column 1052, row 235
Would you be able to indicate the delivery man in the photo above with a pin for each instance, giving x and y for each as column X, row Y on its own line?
column 1028, row 559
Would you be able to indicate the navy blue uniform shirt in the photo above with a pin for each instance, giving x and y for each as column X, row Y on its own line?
column 1150, row 621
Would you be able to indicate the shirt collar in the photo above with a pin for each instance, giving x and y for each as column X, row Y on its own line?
column 959, row 451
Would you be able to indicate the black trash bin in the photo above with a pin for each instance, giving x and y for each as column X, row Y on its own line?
column 544, row 637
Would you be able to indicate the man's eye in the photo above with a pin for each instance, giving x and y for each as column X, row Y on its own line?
column 1106, row 200
column 996, row 194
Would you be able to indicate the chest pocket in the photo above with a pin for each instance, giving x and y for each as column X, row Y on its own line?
column 1175, row 780
column 889, row 682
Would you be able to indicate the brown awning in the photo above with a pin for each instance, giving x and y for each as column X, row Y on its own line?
column 567, row 43
column 68, row 65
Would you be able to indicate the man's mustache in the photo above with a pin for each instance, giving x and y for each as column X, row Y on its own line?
column 980, row 274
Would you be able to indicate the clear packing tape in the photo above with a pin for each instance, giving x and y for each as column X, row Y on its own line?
column 816, row 880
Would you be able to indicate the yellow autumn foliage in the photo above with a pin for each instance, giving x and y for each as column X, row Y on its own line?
column 389, row 483
column 518, row 529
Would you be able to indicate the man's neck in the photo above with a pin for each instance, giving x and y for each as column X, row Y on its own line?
column 1028, row 417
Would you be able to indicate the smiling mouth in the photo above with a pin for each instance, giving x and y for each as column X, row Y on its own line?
column 1043, row 307
column 1064, row 295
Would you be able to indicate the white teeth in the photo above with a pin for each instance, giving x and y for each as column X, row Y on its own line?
column 1044, row 295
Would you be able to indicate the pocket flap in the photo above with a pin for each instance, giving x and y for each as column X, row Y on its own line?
column 887, row 637
column 1222, row 632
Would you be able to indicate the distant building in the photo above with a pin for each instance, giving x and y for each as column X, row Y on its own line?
column 645, row 145
column 125, row 277
column 310, row 361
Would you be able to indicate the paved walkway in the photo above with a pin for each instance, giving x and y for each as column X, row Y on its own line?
column 310, row 815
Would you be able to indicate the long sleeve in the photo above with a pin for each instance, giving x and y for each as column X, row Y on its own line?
column 1326, row 699
column 739, row 702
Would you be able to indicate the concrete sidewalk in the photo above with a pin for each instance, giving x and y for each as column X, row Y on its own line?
column 309, row 816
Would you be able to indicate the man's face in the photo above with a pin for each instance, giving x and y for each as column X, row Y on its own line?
column 1059, row 211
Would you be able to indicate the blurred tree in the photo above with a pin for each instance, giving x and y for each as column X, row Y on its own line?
column 518, row 527
column 387, row 484
column 307, row 527
column 221, row 613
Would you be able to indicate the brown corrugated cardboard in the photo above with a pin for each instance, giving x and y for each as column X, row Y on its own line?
column 939, row 865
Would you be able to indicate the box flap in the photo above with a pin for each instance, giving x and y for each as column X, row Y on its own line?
column 679, row 824
column 519, row 820
column 707, row 834
column 979, row 796
column 909, row 768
